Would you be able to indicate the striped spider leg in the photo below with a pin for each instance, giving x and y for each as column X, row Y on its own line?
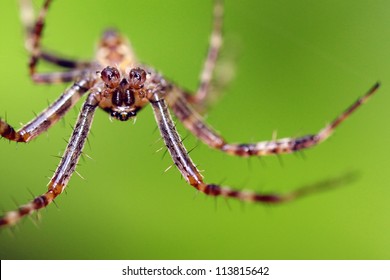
column 33, row 34
column 194, row 123
column 200, row 97
column 118, row 84
column 176, row 100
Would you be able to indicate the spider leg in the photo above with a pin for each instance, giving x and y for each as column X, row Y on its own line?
column 211, row 59
column 58, row 77
column 33, row 33
column 194, row 122
column 64, row 170
column 48, row 117
column 64, row 62
column 33, row 30
column 28, row 20
column 192, row 175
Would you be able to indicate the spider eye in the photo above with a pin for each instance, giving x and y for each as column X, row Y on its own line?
column 137, row 78
column 110, row 76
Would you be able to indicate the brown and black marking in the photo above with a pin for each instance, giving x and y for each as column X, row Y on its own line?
column 119, row 85
column 199, row 99
column 123, row 97
column 48, row 117
column 195, row 123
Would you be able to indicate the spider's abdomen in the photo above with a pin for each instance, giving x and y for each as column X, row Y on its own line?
column 114, row 49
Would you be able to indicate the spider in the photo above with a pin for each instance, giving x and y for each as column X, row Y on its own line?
column 117, row 83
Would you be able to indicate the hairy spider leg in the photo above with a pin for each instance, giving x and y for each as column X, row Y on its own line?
column 64, row 170
column 48, row 117
column 192, row 175
column 64, row 62
column 33, row 34
column 59, row 77
column 36, row 35
column 214, row 46
column 27, row 18
column 194, row 122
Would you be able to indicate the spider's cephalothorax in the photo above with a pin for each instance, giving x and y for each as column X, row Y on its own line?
column 122, row 97
column 117, row 83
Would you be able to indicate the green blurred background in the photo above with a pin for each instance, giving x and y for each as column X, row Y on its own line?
column 297, row 65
